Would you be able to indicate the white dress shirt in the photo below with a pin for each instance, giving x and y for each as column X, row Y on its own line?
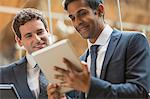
column 33, row 75
column 103, row 41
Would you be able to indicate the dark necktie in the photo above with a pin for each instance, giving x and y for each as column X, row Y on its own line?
column 93, row 52
column 43, row 86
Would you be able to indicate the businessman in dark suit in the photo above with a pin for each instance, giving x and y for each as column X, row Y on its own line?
column 31, row 32
column 117, row 62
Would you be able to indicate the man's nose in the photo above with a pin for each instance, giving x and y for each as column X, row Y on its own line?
column 37, row 37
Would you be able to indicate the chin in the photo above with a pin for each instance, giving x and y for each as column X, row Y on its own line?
column 85, row 36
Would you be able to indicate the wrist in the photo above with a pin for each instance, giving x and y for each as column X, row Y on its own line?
column 87, row 86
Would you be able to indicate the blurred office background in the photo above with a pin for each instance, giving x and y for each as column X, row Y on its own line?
column 131, row 15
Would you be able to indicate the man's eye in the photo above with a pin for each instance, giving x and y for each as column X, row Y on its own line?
column 40, row 33
column 28, row 36
column 72, row 18
column 82, row 13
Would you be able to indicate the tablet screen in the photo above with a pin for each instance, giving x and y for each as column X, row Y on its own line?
column 8, row 91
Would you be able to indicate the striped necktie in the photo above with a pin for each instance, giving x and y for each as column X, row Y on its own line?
column 93, row 52
column 43, row 85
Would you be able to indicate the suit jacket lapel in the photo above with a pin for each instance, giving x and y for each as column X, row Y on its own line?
column 21, row 77
column 111, row 47
column 84, row 56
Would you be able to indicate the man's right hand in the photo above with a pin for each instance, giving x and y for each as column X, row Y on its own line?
column 53, row 91
column 72, row 77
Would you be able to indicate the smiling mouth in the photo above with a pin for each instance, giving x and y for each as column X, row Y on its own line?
column 83, row 28
column 40, row 46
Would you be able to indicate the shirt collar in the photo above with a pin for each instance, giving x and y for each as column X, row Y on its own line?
column 103, row 38
column 30, row 60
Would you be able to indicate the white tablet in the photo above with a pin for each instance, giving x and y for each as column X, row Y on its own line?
column 52, row 56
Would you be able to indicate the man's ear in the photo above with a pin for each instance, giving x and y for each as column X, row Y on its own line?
column 18, row 40
column 100, row 10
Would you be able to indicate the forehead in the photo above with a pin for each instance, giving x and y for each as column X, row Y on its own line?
column 31, row 26
column 77, row 5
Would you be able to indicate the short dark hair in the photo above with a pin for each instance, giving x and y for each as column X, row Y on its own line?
column 25, row 15
column 92, row 3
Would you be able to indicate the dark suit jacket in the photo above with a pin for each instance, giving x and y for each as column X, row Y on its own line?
column 16, row 73
column 125, row 70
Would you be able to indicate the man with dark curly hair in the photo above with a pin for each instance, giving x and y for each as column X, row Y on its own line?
column 31, row 32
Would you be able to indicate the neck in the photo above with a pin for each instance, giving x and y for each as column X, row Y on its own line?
column 100, row 29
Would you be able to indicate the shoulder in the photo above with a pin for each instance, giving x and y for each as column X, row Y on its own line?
column 129, row 34
column 134, row 41
column 9, row 67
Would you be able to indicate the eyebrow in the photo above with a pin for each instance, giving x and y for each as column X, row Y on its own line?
column 39, row 30
column 31, row 32
column 76, row 12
